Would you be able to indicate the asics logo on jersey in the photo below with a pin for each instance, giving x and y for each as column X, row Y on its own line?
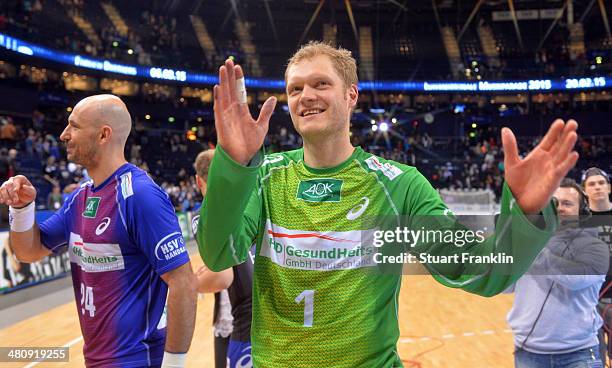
column 245, row 360
column 103, row 225
column 320, row 190
column 358, row 210
column 272, row 159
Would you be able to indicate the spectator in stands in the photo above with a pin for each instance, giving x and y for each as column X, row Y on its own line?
column 187, row 202
column 426, row 141
column 29, row 142
column 4, row 165
column 55, row 200
column 54, row 150
column 9, row 130
column 12, row 161
column 51, row 171
column 64, row 176
column 39, row 148
column 38, row 121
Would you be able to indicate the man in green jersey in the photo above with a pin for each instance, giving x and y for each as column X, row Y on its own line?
column 316, row 302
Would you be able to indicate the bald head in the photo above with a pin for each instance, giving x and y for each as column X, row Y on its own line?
column 100, row 110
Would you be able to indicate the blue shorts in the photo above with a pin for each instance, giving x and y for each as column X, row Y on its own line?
column 239, row 354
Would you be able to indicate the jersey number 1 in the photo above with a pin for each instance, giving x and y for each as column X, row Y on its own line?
column 87, row 300
column 308, row 297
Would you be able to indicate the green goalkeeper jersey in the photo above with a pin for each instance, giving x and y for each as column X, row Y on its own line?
column 318, row 298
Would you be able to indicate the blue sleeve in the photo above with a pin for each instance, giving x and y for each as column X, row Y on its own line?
column 53, row 230
column 154, row 227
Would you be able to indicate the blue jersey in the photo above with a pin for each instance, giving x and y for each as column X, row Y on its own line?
column 121, row 236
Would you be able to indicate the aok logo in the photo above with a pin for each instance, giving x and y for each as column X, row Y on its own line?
column 91, row 207
column 320, row 190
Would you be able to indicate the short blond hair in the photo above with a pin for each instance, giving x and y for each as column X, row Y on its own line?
column 342, row 60
column 202, row 163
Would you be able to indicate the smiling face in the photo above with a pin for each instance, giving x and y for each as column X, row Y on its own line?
column 80, row 136
column 319, row 102
column 97, row 130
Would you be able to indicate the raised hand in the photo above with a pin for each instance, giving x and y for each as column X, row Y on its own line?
column 237, row 132
column 17, row 192
column 534, row 179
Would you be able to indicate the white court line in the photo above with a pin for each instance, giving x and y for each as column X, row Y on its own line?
column 453, row 336
column 66, row 345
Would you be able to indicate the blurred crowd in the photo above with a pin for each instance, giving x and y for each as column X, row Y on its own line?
column 447, row 162
column 154, row 37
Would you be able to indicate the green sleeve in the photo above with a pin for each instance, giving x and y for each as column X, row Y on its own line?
column 230, row 213
column 514, row 235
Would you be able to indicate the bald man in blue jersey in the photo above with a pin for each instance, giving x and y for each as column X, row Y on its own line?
column 126, row 248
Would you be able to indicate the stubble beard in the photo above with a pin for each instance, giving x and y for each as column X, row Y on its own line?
column 85, row 157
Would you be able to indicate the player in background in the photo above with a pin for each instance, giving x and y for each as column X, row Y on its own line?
column 126, row 248
column 214, row 282
column 596, row 184
column 233, row 290
column 315, row 301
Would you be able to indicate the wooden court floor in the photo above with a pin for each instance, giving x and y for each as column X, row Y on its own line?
column 440, row 327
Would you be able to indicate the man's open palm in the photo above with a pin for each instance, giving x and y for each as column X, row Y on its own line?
column 534, row 179
column 237, row 132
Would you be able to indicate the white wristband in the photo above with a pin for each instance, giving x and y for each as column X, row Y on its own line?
column 174, row 360
column 22, row 219
column 241, row 93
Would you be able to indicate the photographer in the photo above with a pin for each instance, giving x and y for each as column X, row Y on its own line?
column 554, row 316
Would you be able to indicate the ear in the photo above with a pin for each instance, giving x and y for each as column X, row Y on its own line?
column 353, row 95
column 106, row 134
column 201, row 184
column 609, row 188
